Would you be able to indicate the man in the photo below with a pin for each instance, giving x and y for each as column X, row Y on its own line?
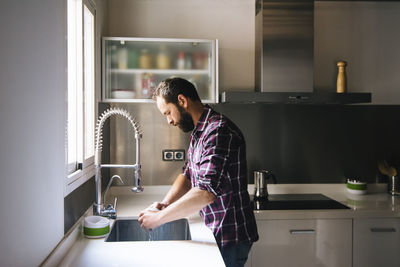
column 214, row 179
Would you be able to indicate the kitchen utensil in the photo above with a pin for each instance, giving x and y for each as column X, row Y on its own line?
column 392, row 171
column 260, row 182
column 394, row 180
column 383, row 167
column 394, row 185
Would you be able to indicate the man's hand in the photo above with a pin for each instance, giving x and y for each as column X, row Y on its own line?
column 149, row 219
column 159, row 205
column 156, row 206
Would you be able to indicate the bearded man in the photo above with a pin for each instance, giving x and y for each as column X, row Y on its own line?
column 214, row 178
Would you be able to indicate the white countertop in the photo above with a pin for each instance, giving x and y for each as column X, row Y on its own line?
column 375, row 204
column 202, row 250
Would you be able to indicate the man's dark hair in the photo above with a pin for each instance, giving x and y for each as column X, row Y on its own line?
column 170, row 88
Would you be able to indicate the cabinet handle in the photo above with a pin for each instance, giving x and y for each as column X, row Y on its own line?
column 305, row 231
column 298, row 97
column 383, row 230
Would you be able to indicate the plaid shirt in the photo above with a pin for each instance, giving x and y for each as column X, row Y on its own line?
column 217, row 163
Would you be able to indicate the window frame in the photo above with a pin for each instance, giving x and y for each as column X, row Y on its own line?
column 82, row 169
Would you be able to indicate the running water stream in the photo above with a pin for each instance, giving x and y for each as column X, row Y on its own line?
column 150, row 233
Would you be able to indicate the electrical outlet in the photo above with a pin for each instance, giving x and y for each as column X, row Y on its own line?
column 179, row 154
column 168, row 155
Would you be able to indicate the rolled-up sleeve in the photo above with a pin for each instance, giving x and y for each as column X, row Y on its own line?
column 186, row 170
column 214, row 160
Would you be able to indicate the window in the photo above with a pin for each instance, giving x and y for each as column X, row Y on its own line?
column 81, row 93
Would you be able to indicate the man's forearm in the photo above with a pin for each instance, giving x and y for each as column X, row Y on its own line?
column 194, row 200
column 180, row 187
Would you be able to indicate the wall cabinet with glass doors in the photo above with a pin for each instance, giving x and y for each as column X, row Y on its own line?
column 133, row 67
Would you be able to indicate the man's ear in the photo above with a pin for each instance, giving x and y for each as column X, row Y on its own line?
column 182, row 101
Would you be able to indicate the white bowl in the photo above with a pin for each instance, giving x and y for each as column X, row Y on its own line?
column 356, row 192
column 96, row 226
column 356, row 187
column 122, row 94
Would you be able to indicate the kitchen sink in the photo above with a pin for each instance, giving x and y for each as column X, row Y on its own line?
column 296, row 202
column 130, row 230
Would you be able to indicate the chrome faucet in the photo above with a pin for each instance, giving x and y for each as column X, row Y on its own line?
column 98, row 207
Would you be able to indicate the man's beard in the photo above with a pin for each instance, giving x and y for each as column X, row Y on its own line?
column 186, row 122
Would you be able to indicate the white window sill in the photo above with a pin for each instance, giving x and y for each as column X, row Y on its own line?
column 76, row 179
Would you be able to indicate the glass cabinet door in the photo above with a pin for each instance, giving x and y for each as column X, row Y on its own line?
column 133, row 67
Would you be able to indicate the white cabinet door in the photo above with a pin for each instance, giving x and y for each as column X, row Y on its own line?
column 319, row 242
column 376, row 242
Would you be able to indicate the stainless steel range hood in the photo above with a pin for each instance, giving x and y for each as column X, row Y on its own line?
column 284, row 58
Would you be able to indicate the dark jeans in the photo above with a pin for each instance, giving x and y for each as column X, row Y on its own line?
column 235, row 255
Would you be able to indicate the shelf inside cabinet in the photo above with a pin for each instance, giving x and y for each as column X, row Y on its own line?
column 158, row 71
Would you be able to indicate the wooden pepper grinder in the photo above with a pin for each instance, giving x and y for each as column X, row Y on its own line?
column 341, row 86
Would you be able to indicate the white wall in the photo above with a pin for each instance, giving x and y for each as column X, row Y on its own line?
column 229, row 21
column 32, row 100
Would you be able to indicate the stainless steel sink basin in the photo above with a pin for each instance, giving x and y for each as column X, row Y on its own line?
column 130, row 230
column 296, row 202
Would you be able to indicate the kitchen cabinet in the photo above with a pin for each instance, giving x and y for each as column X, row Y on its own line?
column 311, row 242
column 376, row 242
column 133, row 67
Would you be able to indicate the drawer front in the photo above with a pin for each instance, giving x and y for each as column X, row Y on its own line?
column 319, row 242
column 376, row 242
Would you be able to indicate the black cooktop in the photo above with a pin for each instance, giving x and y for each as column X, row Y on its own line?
column 296, row 202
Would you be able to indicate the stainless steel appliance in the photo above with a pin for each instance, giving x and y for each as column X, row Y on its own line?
column 260, row 183
column 284, row 58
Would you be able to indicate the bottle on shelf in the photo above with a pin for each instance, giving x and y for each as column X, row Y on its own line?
column 137, row 85
column 200, row 60
column 163, row 60
column 145, row 59
column 341, row 85
column 188, row 61
column 148, row 85
column 180, row 62
column 207, row 60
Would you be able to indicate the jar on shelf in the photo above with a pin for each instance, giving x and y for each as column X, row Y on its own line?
column 145, row 59
column 163, row 60
column 133, row 59
column 113, row 56
column 122, row 58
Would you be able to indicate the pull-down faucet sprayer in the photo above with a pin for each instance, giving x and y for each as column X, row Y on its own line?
column 98, row 208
